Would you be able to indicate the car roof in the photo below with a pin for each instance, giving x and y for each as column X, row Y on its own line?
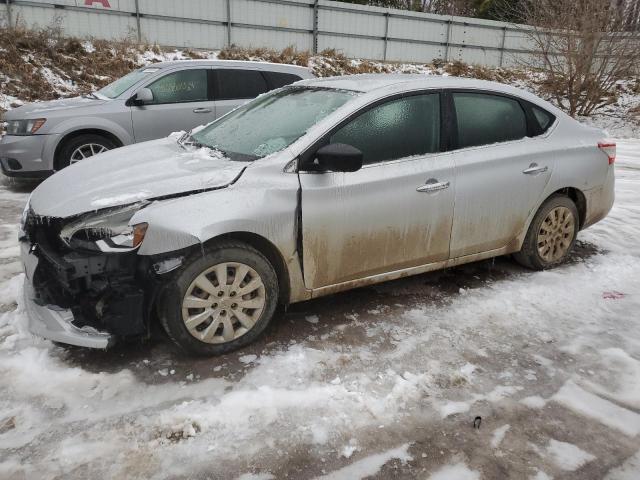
column 231, row 63
column 373, row 81
column 389, row 83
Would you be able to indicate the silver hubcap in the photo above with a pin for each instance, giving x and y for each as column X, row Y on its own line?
column 556, row 234
column 86, row 151
column 223, row 303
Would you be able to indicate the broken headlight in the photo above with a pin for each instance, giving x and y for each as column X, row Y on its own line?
column 107, row 231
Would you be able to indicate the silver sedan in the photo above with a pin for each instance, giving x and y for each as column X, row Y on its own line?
column 315, row 188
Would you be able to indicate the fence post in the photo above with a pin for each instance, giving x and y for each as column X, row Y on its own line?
column 446, row 48
column 9, row 19
column 504, row 38
column 315, row 27
column 386, row 35
column 228, row 23
column 138, row 21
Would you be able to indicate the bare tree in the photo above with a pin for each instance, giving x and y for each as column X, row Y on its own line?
column 583, row 48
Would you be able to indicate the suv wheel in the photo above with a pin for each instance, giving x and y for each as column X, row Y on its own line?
column 81, row 147
column 551, row 235
column 220, row 301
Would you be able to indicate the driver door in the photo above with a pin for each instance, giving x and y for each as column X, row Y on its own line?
column 396, row 211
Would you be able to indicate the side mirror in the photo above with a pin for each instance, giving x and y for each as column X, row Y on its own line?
column 142, row 96
column 339, row 157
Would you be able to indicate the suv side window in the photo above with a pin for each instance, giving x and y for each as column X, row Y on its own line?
column 280, row 79
column 483, row 119
column 396, row 129
column 188, row 85
column 235, row 83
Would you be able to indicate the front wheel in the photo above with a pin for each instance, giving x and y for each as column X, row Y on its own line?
column 221, row 301
column 551, row 235
column 82, row 147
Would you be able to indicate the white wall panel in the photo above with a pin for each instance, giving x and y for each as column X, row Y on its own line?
column 356, row 30
column 183, row 34
column 252, row 37
column 272, row 14
column 193, row 9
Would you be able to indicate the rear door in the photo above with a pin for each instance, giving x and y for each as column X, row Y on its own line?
column 396, row 211
column 501, row 171
column 182, row 100
column 234, row 86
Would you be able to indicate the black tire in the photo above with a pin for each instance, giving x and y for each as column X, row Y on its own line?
column 63, row 159
column 529, row 256
column 170, row 308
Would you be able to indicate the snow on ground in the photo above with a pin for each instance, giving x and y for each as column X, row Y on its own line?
column 386, row 383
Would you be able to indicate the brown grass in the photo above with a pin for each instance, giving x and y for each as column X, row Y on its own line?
column 27, row 52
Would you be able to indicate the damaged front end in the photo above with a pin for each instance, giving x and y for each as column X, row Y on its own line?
column 86, row 285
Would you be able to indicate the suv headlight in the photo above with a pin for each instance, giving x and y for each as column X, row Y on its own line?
column 24, row 127
column 107, row 231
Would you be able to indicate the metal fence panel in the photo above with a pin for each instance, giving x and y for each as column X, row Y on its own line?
column 358, row 31
column 193, row 35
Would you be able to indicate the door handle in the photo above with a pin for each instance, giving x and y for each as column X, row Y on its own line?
column 201, row 110
column 432, row 187
column 534, row 169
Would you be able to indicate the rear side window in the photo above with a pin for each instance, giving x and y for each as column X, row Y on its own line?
column 396, row 129
column 544, row 118
column 235, row 83
column 484, row 119
column 279, row 79
column 182, row 86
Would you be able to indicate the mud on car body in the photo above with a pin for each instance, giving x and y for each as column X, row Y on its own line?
column 315, row 188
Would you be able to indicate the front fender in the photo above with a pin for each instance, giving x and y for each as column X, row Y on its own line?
column 93, row 123
column 263, row 202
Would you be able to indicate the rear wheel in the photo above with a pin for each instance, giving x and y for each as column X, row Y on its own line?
column 552, row 234
column 82, row 147
column 221, row 301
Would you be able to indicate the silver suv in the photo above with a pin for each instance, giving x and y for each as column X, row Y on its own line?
column 146, row 104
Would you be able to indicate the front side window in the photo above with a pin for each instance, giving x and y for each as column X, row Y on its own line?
column 397, row 129
column 484, row 119
column 121, row 85
column 272, row 122
column 234, row 84
column 181, row 87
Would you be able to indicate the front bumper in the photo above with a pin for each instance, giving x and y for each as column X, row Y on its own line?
column 53, row 322
column 27, row 156
column 84, row 299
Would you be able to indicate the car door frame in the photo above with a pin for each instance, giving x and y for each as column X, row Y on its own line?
column 305, row 158
column 534, row 132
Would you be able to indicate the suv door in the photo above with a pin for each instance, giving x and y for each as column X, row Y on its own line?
column 234, row 86
column 181, row 101
column 396, row 211
column 501, row 173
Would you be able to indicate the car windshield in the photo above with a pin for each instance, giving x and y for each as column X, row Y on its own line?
column 271, row 122
column 117, row 88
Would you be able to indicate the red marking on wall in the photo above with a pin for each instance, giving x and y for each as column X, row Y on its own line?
column 104, row 3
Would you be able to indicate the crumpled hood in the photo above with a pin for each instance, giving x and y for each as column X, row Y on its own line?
column 130, row 174
column 40, row 109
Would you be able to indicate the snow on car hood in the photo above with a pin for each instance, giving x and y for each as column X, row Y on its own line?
column 130, row 174
column 39, row 108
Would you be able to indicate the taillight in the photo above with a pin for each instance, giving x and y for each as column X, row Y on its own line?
column 609, row 149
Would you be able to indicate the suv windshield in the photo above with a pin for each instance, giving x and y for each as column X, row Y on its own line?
column 117, row 88
column 272, row 122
